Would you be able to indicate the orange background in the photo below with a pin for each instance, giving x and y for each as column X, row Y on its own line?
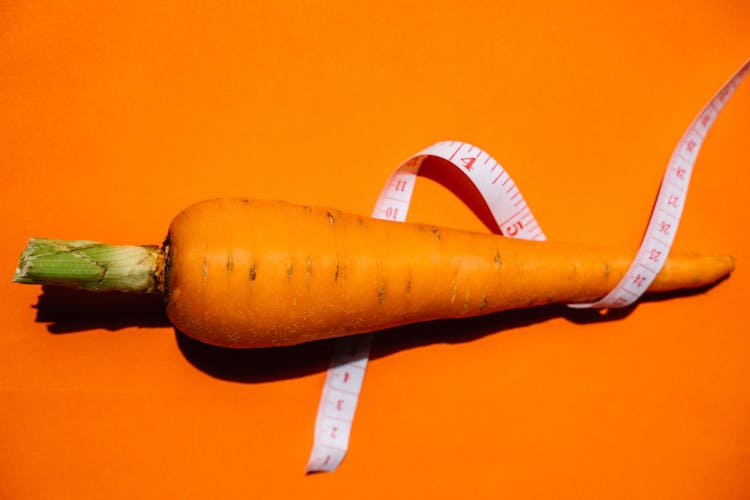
column 116, row 116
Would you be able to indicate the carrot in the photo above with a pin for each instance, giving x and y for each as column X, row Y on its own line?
column 248, row 273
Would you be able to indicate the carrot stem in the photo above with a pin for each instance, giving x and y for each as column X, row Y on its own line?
column 90, row 265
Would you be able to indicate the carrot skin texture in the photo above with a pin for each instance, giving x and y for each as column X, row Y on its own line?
column 251, row 273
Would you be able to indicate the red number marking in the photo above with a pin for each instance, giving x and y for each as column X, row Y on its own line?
column 400, row 186
column 334, row 430
column 391, row 212
column 690, row 145
column 620, row 300
column 340, row 404
column 664, row 227
column 673, row 200
column 346, row 377
column 468, row 162
column 638, row 280
column 513, row 229
column 654, row 255
column 680, row 173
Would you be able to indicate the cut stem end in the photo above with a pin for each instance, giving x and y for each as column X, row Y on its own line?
column 90, row 265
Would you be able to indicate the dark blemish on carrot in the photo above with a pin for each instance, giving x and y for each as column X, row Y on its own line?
column 575, row 271
column 330, row 217
column 381, row 293
column 230, row 264
column 336, row 274
column 307, row 208
column 483, row 304
column 361, row 222
column 308, row 268
column 253, row 271
column 204, row 269
column 466, row 301
column 408, row 285
column 245, row 201
column 436, row 232
column 606, row 269
column 454, row 292
column 498, row 260
column 290, row 270
column 161, row 277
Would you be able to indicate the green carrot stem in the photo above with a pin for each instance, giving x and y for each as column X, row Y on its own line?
column 90, row 265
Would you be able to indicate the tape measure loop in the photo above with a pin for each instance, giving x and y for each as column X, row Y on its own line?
column 510, row 215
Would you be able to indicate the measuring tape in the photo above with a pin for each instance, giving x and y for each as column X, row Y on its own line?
column 514, row 219
column 346, row 373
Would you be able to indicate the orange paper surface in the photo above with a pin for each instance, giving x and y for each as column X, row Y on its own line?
column 115, row 116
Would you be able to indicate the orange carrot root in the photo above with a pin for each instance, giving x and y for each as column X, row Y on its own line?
column 245, row 273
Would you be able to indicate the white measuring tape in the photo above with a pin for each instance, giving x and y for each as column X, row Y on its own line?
column 514, row 218
column 346, row 373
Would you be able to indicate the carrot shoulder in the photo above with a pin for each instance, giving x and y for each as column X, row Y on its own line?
column 246, row 273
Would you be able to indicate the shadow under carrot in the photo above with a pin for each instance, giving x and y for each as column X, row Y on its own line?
column 68, row 311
